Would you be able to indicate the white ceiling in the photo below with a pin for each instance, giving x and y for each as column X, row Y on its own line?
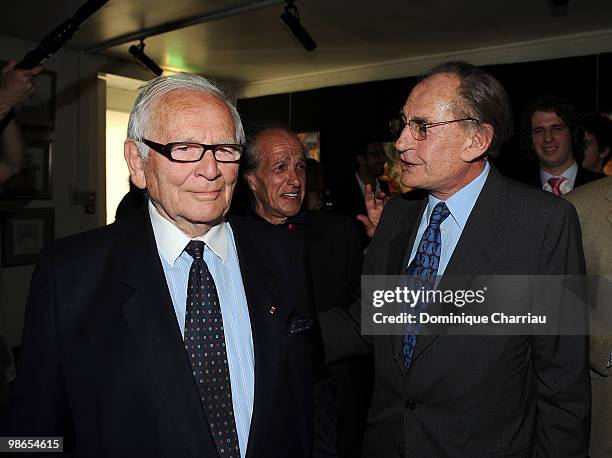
column 358, row 40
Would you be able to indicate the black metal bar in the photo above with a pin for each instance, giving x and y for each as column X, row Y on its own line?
column 182, row 23
column 58, row 37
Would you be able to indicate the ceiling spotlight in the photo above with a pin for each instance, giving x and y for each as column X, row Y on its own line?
column 138, row 53
column 291, row 19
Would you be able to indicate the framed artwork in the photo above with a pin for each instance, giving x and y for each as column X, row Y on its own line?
column 312, row 144
column 393, row 171
column 24, row 233
column 34, row 179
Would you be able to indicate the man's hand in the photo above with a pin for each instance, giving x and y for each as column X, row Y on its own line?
column 374, row 206
column 16, row 85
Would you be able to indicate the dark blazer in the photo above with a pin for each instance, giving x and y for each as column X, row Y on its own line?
column 583, row 176
column 335, row 257
column 103, row 361
column 478, row 395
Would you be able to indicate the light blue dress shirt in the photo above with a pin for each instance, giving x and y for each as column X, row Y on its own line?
column 460, row 205
column 222, row 259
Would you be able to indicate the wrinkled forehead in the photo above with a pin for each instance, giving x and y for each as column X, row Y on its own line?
column 435, row 96
column 181, row 103
column 273, row 143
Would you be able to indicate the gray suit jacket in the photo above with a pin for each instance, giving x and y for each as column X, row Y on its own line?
column 594, row 205
column 478, row 395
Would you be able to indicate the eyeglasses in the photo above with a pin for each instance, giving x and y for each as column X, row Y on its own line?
column 418, row 129
column 194, row 152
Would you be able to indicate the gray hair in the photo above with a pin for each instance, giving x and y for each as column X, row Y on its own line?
column 482, row 97
column 154, row 90
column 252, row 155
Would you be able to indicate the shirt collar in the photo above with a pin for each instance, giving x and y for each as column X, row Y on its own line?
column 362, row 184
column 570, row 173
column 462, row 202
column 171, row 241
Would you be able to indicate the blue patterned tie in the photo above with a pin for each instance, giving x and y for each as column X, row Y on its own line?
column 205, row 345
column 424, row 268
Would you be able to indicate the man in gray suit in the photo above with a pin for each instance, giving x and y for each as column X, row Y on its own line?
column 448, row 395
column 593, row 202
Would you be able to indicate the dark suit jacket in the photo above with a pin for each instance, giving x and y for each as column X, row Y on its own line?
column 583, row 176
column 103, row 361
column 478, row 395
column 335, row 257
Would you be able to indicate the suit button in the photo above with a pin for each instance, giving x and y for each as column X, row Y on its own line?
column 400, row 451
column 410, row 405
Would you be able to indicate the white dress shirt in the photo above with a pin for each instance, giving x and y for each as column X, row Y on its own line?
column 568, row 183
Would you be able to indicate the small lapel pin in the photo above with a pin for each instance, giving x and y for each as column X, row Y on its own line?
column 272, row 310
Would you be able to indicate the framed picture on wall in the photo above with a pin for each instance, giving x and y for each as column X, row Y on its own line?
column 24, row 233
column 34, row 179
column 393, row 170
column 312, row 144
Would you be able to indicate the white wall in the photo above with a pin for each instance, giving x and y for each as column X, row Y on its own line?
column 117, row 173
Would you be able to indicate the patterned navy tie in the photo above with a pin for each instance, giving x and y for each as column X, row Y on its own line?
column 205, row 345
column 424, row 268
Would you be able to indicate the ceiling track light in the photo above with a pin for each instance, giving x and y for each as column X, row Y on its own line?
column 291, row 19
column 138, row 53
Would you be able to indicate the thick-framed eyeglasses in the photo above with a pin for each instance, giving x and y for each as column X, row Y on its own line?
column 194, row 152
column 418, row 129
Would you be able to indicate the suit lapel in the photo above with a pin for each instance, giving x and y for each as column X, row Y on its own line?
column 403, row 239
column 582, row 177
column 151, row 318
column 262, row 294
column 477, row 251
column 399, row 252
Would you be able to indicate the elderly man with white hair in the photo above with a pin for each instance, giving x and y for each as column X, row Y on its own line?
column 173, row 332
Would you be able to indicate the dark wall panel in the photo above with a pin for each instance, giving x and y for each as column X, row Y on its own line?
column 605, row 82
column 274, row 108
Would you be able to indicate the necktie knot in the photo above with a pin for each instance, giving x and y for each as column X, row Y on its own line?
column 439, row 214
column 555, row 184
column 195, row 249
